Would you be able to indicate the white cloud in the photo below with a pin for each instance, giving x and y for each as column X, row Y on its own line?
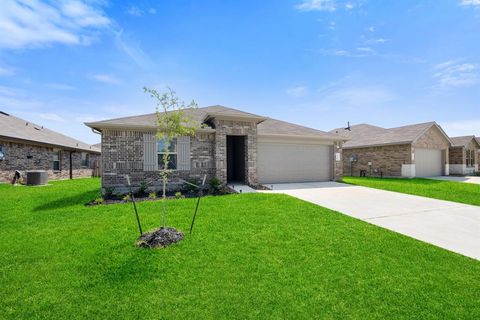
column 6, row 71
column 59, row 86
column 473, row 3
column 349, row 6
column 456, row 74
column 462, row 128
column 135, row 11
column 105, row 78
column 132, row 50
column 30, row 23
column 356, row 96
column 371, row 29
column 360, row 52
column 152, row 11
column 51, row 117
column 317, row 5
column 297, row 92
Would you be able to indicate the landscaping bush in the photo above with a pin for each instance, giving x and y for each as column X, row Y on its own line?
column 215, row 186
column 187, row 188
column 142, row 190
column 98, row 201
column 127, row 198
column 109, row 193
column 179, row 195
column 152, row 195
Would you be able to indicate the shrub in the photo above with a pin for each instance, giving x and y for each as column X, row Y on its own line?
column 98, row 201
column 142, row 190
column 178, row 195
column 126, row 198
column 152, row 195
column 214, row 186
column 477, row 173
column 109, row 192
column 187, row 188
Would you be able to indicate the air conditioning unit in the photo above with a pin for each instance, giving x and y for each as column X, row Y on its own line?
column 37, row 177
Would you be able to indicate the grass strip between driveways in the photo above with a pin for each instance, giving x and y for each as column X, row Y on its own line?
column 461, row 192
column 252, row 256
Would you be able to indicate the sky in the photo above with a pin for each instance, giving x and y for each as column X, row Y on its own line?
column 318, row 63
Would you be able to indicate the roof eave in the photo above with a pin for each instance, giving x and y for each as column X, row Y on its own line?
column 378, row 145
column 48, row 144
column 316, row 137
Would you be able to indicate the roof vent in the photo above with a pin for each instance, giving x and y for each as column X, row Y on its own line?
column 4, row 113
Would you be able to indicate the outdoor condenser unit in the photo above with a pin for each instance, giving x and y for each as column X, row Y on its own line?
column 37, row 177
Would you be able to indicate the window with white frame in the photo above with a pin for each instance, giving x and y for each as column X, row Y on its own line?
column 56, row 156
column 2, row 153
column 172, row 154
column 85, row 159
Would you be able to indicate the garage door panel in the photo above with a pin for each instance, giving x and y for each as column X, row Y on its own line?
column 428, row 162
column 293, row 162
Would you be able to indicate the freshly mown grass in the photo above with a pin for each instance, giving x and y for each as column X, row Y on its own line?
column 467, row 193
column 251, row 256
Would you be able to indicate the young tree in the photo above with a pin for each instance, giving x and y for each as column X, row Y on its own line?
column 172, row 122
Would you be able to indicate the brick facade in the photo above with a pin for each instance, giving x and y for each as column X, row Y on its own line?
column 23, row 157
column 389, row 160
column 386, row 160
column 122, row 153
column 237, row 128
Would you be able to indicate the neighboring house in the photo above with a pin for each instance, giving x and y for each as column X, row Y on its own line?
column 464, row 155
column 26, row 146
column 233, row 145
column 419, row 150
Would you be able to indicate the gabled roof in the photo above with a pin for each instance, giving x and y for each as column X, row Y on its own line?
column 273, row 127
column 366, row 135
column 18, row 129
column 463, row 141
column 266, row 126
column 197, row 116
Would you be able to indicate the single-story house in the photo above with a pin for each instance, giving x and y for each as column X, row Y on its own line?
column 464, row 155
column 27, row 146
column 232, row 145
column 418, row 150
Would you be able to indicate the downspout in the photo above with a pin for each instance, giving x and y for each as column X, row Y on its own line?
column 71, row 170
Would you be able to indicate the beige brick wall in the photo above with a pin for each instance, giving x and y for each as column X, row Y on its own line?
column 386, row 159
column 432, row 139
column 457, row 155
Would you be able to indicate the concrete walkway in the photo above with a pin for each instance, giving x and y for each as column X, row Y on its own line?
column 468, row 179
column 241, row 188
column 449, row 225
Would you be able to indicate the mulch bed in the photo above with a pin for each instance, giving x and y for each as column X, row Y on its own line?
column 159, row 238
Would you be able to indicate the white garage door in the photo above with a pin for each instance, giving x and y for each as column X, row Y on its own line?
column 279, row 161
column 428, row 162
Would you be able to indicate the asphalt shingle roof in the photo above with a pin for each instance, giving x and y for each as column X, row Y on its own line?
column 462, row 141
column 266, row 126
column 365, row 135
column 16, row 128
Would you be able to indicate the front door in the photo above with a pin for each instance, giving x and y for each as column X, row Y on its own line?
column 236, row 158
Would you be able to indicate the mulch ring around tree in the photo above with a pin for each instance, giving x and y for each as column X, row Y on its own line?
column 159, row 238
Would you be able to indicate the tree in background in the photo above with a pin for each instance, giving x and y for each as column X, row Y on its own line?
column 172, row 122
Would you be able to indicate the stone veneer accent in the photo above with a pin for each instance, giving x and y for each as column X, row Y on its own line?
column 338, row 166
column 384, row 159
column 458, row 159
column 23, row 157
column 122, row 153
column 236, row 128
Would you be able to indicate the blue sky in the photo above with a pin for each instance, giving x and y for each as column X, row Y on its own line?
column 318, row 63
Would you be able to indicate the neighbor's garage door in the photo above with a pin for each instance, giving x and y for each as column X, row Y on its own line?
column 428, row 162
column 293, row 161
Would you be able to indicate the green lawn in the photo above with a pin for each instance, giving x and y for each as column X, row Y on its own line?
column 252, row 256
column 468, row 193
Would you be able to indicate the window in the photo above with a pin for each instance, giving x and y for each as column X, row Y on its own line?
column 172, row 154
column 85, row 159
column 56, row 160
column 470, row 158
column 2, row 153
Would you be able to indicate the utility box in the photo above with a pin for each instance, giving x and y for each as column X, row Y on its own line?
column 37, row 177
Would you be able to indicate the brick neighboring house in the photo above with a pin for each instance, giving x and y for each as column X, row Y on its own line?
column 419, row 150
column 234, row 146
column 27, row 146
column 464, row 154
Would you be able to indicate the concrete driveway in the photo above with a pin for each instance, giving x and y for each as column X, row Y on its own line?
column 449, row 225
column 469, row 179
